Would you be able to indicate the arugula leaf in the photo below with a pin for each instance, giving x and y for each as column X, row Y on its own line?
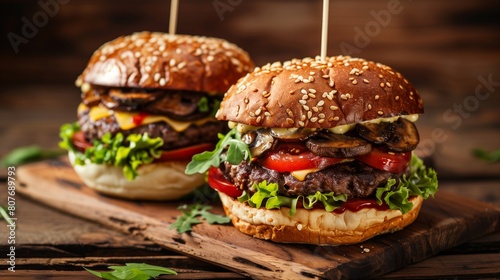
column 492, row 157
column 5, row 215
column 128, row 153
column 132, row 271
column 190, row 216
column 237, row 151
column 27, row 154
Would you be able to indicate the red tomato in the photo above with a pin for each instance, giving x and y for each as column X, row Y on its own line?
column 392, row 162
column 186, row 153
column 217, row 181
column 291, row 157
column 80, row 142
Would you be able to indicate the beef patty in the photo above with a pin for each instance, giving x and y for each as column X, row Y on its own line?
column 353, row 178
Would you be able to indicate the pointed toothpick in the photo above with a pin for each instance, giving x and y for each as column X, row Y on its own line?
column 324, row 29
column 174, row 4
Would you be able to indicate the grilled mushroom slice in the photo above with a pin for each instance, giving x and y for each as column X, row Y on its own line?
column 128, row 99
column 404, row 138
column 337, row 145
column 399, row 136
column 258, row 141
column 376, row 133
column 176, row 104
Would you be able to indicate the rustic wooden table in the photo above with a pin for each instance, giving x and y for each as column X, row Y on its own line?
column 55, row 245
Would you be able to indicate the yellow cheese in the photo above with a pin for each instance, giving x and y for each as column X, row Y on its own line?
column 301, row 174
column 126, row 119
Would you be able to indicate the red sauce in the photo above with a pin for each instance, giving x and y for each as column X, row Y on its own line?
column 356, row 204
column 138, row 119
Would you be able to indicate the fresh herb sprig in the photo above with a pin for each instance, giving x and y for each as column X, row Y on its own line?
column 237, row 151
column 191, row 215
column 492, row 157
column 133, row 271
column 27, row 154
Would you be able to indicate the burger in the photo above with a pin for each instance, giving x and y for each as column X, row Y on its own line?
column 148, row 105
column 319, row 152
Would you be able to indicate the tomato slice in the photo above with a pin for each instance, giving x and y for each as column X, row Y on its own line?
column 186, row 153
column 80, row 142
column 217, row 181
column 290, row 157
column 388, row 161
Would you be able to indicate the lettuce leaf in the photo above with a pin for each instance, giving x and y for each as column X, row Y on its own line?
column 268, row 194
column 421, row 181
column 128, row 153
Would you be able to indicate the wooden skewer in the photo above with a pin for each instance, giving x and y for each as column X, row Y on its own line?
column 174, row 4
column 324, row 29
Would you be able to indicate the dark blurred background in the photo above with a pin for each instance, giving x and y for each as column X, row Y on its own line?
column 447, row 49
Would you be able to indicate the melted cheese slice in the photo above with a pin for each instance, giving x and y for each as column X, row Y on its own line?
column 126, row 119
column 301, row 174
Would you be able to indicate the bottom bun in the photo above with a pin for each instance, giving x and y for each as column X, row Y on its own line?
column 156, row 181
column 316, row 226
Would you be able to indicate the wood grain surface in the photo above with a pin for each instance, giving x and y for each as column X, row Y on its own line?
column 444, row 222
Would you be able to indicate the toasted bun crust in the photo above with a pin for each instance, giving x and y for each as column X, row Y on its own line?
column 316, row 226
column 163, row 61
column 313, row 93
column 158, row 181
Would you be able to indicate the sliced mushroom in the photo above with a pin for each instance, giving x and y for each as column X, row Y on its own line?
column 258, row 141
column 376, row 133
column 404, row 138
column 293, row 134
column 337, row 145
column 93, row 96
column 176, row 104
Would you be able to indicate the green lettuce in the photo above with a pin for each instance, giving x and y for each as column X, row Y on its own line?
column 422, row 181
column 268, row 194
column 128, row 153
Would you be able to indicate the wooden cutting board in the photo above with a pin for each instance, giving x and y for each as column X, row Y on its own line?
column 444, row 222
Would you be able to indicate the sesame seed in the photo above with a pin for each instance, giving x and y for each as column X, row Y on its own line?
column 267, row 114
column 303, row 91
column 252, row 114
column 309, row 114
column 332, row 83
column 351, row 79
column 305, row 107
column 291, row 92
column 303, row 100
column 163, row 82
column 320, row 103
column 246, row 100
column 354, row 82
column 301, row 123
column 315, row 119
column 289, row 121
column 411, row 93
column 365, row 67
column 336, row 118
column 303, row 117
column 255, row 90
column 380, row 113
column 388, row 84
column 353, row 71
column 289, row 112
column 259, row 119
column 325, row 76
column 382, row 85
column 181, row 65
column 321, row 121
column 210, row 58
column 369, row 106
column 312, row 95
column 366, row 81
column 258, row 111
column 397, row 97
column 311, row 90
column 377, row 97
column 157, row 77
column 380, row 76
column 401, row 87
column 315, row 109
column 172, row 62
column 321, row 116
column 333, row 108
column 312, row 73
column 306, row 81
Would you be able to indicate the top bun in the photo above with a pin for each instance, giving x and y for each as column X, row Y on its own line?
column 317, row 93
column 163, row 61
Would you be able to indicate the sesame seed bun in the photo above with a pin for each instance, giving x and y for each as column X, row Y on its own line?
column 162, row 61
column 313, row 93
column 317, row 226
